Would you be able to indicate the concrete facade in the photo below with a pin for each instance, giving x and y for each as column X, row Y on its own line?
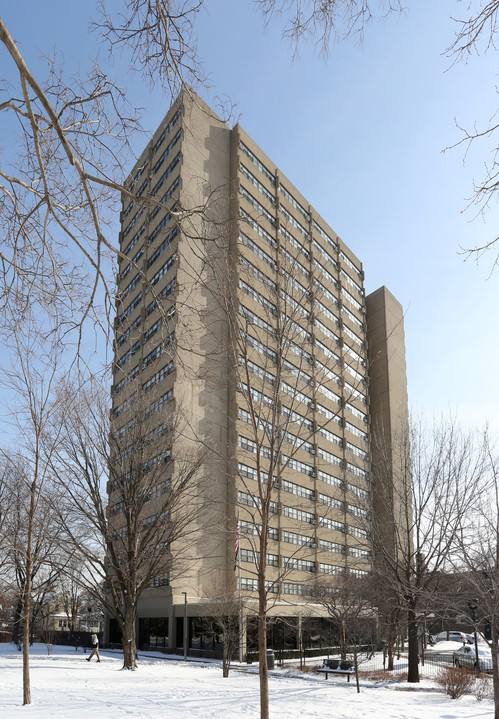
column 260, row 293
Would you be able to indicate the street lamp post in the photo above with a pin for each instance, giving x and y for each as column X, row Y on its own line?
column 185, row 626
column 472, row 605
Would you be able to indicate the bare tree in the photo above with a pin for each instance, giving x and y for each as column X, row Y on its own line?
column 320, row 21
column 283, row 382
column 223, row 617
column 138, row 538
column 478, row 557
column 438, row 470
column 31, row 384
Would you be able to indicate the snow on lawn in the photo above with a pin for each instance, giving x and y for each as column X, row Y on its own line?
column 66, row 685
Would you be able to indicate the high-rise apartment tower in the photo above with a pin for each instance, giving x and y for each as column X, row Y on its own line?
column 261, row 342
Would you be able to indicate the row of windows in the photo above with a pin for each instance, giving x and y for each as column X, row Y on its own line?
column 122, row 338
column 159, row 376
column 165, row 292
column 158, row 350
column 126, row 380
column 131, row 265
column 289, row 217
column 256, row 183
column 166, row 131
column 166, row 152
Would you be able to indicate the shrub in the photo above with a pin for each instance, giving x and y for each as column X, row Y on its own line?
column 483, row 687
column 456, row 681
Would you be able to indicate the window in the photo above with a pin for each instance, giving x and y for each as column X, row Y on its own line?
column 259, row 347
column 134, row 303
column 298, row 466
column 333, row 547
column 331, row 524
column 345, row 277
column 357, row 511
column 328, row 352
column 248, row 585
column 359, row 553
column 152, row 330
column 297, row 225
column 167, row 151
column 358, row 452
column 257, row 162
column 260, row 299
column 298, row 589
column 331, row 502
column 303, row 565
column 248, row 528
column 350, row 264
column 289, row 197
column 257, row 250
column 300, row 539
column 248, row 472
column 168, row 193
column 163, row 270
column 329, row 479
column 326, row 331
column 359, row 573
column 352, row 335
column 330, row 569
column 255, row 319
column 258, row 228
column 329, row 457
column 297, row 489
column 325, row 236
column 361, row 493
column 357, row 532
column 166, row 174
column 166, row 242
column 294, row 242
column 299, row 514
column 357, row 471
column 353, row 318
column 323, row 254
column 356, row 412
column 257, row 206
column 356, row 431
column 330, row 436
column 166, row 131
column 256, row 183
column 249, row 555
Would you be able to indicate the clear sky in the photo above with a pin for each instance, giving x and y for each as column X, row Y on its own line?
column 361, row 136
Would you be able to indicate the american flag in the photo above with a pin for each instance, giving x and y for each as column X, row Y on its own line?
column 236, row 545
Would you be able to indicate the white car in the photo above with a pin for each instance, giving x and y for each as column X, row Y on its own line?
column 454, row 637
column 466, row 657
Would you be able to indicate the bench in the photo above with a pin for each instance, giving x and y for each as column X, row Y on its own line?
column 328, row 669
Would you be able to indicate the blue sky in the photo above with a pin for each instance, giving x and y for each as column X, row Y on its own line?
column 361, row 136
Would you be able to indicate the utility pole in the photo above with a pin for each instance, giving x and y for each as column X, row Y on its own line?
column 185, row 626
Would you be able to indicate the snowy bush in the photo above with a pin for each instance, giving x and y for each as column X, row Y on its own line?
column 456, row 681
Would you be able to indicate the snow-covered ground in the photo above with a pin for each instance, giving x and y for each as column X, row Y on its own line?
column 65, row 685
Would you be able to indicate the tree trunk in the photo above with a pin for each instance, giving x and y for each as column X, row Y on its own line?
column 412, row 635
column 343, row 639
column 262, row 655
column 26, row 613
column 129, row 641
column 390, row 657
column 225, row 660
column 495, row 665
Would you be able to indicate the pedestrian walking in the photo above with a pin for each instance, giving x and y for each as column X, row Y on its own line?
column 95, row 647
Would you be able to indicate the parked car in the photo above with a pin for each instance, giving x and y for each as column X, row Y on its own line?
column 454, row 636
column 466, row 657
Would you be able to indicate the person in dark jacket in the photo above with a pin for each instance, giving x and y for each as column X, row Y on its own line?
column 95, row 647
